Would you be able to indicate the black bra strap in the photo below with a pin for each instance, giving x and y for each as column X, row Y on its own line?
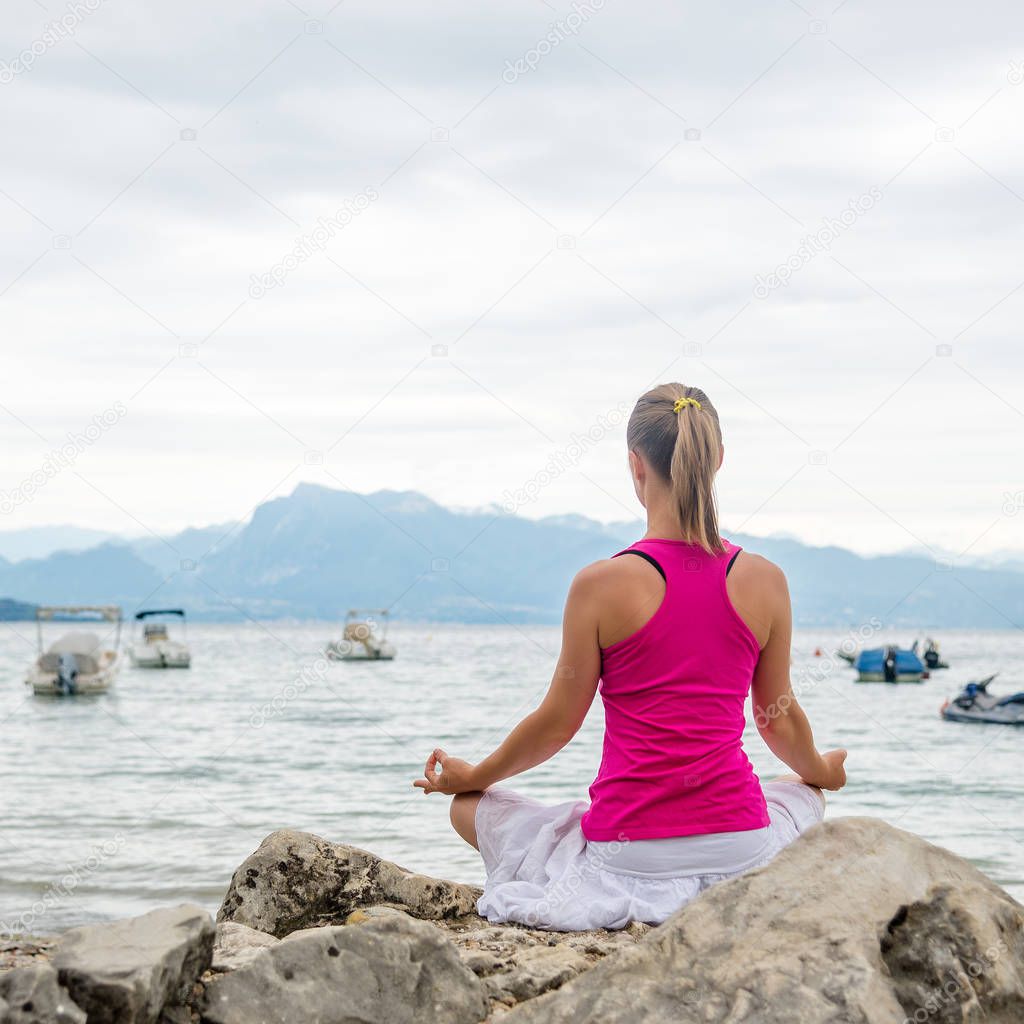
column 646, row 557
column 736, row 554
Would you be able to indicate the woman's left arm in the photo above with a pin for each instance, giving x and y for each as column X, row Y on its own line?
column 542, row 733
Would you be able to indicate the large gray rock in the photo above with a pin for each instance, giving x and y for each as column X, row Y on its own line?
column 297, row 880
column 33, row 995
column 855, row 923
column 387, row 970
column 127, row 972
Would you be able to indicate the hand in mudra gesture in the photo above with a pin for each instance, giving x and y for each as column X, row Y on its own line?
column 835, row 770
column 446, row 774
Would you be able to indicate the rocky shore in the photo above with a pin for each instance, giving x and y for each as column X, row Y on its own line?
column 856, row 922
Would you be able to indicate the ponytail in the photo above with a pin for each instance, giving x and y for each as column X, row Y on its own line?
column 676, row 429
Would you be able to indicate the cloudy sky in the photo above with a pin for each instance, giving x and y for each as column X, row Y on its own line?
column 510, row 221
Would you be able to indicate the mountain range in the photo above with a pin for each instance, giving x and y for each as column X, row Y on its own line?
column 319, row 551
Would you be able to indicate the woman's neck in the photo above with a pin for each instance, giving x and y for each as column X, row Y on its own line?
column 662, row 523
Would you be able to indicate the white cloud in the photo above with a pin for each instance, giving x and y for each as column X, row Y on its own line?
column 666, row 235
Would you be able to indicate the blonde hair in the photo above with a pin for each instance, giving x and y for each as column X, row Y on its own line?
column 677, row 431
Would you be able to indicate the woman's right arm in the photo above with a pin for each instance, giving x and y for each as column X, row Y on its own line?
column 777, row 713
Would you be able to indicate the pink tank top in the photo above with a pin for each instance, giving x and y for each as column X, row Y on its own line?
column 673, row 693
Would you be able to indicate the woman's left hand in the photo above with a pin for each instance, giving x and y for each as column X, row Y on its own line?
column 455, row 776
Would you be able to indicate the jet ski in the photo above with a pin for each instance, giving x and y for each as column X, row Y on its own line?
column 976, row 704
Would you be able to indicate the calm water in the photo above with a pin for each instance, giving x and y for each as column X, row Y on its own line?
column 154, row 793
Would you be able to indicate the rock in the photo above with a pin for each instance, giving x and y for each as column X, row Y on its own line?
column 357, row 917
column 479, row 961
column 537, row 970
column 518, row 963
column 176, row 1015
column 127, row 972
column 856, row 922
column 33, row 995
column 389, row 970
column 956, row 958
column 24, row 952
column 504, row 937
column 236, row 945
column 368, row 913
column 297, row 880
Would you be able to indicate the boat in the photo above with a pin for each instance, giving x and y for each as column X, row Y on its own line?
column 889, row 665
column 77, row 662
column 154, row 647
column 976, row 704
column 364, row 637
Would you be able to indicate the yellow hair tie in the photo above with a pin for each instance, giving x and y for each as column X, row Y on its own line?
column 681, row 403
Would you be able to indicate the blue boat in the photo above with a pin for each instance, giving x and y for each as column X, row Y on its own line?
column 889, row 665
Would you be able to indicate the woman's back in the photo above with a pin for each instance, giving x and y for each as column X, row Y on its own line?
column 675, row 634
column 674, row 690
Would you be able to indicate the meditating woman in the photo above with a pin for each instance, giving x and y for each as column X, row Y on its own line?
column 677, row 632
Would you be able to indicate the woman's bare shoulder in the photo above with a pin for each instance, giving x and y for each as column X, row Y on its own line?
column 622, row 593
column 608, row 573
column 758, row 570
column 758, row 591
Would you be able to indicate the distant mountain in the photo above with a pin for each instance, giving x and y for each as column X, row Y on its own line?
column 40, row 541
column 13, row 611
column 110, row 573
column 319, row 551
column 191, row 545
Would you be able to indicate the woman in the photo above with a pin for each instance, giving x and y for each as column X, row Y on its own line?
column 678, row 635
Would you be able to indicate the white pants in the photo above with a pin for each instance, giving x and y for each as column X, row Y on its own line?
column 542, row 871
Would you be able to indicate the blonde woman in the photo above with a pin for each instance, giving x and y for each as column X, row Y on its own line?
column 676, row 631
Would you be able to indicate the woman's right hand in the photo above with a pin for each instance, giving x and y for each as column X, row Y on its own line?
column 832, row 772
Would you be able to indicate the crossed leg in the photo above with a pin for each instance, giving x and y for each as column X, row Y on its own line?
column 463, row 815
column 797, row 779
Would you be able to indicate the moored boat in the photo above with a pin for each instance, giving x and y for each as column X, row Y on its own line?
column 77, row 662
column 155, row 648
column 364, row 637
column 889, row 665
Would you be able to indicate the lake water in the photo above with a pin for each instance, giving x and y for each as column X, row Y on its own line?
column 155, row 792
